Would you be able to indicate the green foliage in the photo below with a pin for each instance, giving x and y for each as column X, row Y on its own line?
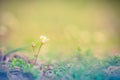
column 80, row 66
column 112, row 61
column 115, row 60
column 24, row 66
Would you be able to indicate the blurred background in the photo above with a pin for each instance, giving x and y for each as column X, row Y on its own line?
column 69, row 24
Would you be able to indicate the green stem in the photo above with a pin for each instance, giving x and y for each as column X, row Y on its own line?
column 36, row 57
column 33, row 49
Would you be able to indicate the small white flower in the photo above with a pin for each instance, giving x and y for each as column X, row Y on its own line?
column 43, row 39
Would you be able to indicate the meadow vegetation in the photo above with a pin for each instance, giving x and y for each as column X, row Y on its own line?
column 79, row 66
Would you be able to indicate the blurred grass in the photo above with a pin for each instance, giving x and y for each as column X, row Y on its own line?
column 68, row 24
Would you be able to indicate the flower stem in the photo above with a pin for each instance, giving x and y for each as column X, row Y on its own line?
column 36, row 57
